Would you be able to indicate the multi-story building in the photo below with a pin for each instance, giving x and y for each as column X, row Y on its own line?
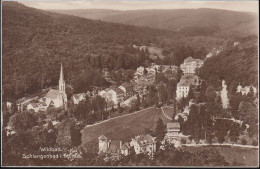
column 185, row 83
column 114, row 147
column 78, row 97
column 190, row 65
column 144, row 144
column 127, row 88
column 173, row 128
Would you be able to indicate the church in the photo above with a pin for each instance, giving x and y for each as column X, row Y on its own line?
column 57, row 98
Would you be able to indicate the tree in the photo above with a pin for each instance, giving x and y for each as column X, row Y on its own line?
column 254, row 142
column 243, row 141
column 234, row 132
column 211, row 94
column 160, row 130
column 22, row 121
column 190, row 94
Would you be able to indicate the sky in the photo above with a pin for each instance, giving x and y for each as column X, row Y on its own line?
column 242, row 5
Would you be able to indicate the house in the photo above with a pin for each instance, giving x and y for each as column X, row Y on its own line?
column 245, row 90
column 151, row 74
column 114, row 94
column 116, row 148
column 140, row 70
column 8, row 105
column 190, row 65
column 173, row 135
column 78, row 97
column 37, row 106
column 57, row 98
column 170, row 72
column 117, row 95
column 183, row 88
column 144, row 144
column 185, row 83
column 173, row 128
column 127, row 89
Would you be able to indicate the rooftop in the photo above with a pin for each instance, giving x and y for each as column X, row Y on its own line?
column 144, row 139
column 52, row 94
column 173, row 125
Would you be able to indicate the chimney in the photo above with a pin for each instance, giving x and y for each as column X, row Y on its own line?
column 120, row 144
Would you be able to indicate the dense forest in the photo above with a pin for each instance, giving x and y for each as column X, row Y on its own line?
column 236, row 64
column 35, row 42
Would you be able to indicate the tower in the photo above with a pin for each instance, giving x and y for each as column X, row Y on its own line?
column 61, row 81
column 62, row 93
column 102, row 143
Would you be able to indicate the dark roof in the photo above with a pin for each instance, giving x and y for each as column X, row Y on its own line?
column 114, row 146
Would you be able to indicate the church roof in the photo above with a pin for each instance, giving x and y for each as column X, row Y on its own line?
column 102, row 137
column 52, row 94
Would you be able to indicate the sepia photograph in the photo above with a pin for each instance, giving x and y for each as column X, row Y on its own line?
column 130, row 83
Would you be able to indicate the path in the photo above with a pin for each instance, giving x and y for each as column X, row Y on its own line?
column 224, row 144
column 166, row 115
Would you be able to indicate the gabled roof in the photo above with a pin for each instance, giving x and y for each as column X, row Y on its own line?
column 76, row 96
column 125, row 146
column 52, row 94
column 173, row 125
column 114, row 146
column 102, row 137
column 144, row 139
column 184, row 83
column 118, row 90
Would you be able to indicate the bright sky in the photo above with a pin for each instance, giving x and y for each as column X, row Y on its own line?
column 242, row 5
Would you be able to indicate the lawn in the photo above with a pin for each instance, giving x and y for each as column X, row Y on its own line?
column 169, row 111
column 154, row 52
column 249, row 157
column 123, row 128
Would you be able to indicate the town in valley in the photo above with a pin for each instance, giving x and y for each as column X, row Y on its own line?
column 129, row 95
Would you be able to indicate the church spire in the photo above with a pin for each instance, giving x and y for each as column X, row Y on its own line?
column 61, row 81
column 61, row 73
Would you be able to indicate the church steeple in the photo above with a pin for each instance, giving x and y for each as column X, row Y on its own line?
column 61, row 81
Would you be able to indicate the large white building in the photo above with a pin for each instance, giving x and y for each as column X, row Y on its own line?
column 190, row 65
column 184, row 85
column 57, row 98
column 116, row 95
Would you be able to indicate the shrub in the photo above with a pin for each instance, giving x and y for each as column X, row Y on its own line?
column 254, row 142
column 243, row 141
column 183, row 141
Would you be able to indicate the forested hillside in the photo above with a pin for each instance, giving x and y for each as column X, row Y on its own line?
column 201, row 21
column 237, row 64
column 35, row 42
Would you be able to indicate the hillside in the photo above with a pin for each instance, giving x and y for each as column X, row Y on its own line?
column 181, row 20
column 124, row 128
column 35, row 42
column 237, row 64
